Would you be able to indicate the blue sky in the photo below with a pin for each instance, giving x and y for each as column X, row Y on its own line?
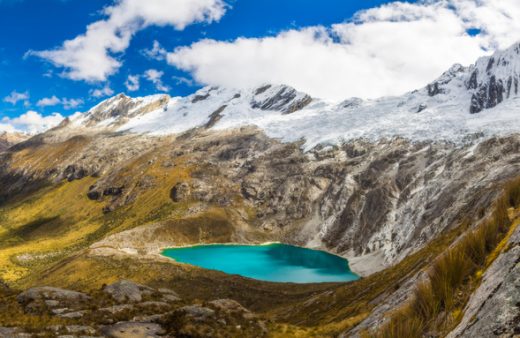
column 63, row 56
column 40, row 25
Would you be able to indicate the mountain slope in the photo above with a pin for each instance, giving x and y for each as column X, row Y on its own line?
column 389, row 184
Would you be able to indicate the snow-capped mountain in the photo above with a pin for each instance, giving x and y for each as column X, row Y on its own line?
column 494, row 79
column 445, row 109
column 8, row 139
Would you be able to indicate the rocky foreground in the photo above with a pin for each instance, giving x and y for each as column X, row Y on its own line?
column 129, row 310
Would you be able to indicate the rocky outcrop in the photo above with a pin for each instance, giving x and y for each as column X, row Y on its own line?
column 494, row 79
column 50, row 293
column 280, row 98
column 118, row 109
column 488, row 94
column 58, row 302
column 126, row 291
column 134, row 311
column 219, row 318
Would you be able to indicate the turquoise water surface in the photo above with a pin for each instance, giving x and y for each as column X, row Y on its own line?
column 273, row 262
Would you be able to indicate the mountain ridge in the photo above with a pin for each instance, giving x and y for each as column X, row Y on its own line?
column 463, row 103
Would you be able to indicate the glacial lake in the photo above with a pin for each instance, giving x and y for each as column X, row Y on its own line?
column 273, row 262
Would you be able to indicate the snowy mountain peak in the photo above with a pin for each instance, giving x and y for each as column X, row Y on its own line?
column 267, row 97
column 118, row 109
column 494, row 79
column 440, row 111
column 441, row 85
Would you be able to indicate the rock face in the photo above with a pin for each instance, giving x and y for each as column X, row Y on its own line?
column 385, row 198
column 494, row 79
column 280, row 98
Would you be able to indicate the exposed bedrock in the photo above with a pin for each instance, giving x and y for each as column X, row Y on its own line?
column 383, row 198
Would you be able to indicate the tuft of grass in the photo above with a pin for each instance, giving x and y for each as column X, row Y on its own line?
column 475, row 245
column 512, row 191
column 500, row 215
column 426, row 305
column 447, row 274
column 403, row 324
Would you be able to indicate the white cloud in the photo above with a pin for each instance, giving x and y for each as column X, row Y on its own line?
column 155, row 76
column 48, row 101
column 101, row 92
column 54, row 101
column 181, row 80
column 132, row 83
column 16, row 97
column 156, row 53
column 71, row 103
column 382, row 51
column 93, row 56
column 31, row 122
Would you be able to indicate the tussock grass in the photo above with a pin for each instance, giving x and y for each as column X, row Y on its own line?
column 447, row 274
column 512, row 191
column 437, row 300
column 426, row 305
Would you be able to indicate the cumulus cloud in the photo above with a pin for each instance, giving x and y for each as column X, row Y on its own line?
column 54, row 101
column 132, row 83
column 93, row 56
column 48, row 101
column 382, row 51
column 16, row 97
column 31, row 122
column 155, row 76
column 102, row 92
column 71, row 103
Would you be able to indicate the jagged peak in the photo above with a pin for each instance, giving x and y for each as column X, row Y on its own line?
column 501, row 61
column 117, row 109
column 494, row 78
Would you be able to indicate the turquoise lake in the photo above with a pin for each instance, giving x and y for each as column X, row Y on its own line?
column 273, row 262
